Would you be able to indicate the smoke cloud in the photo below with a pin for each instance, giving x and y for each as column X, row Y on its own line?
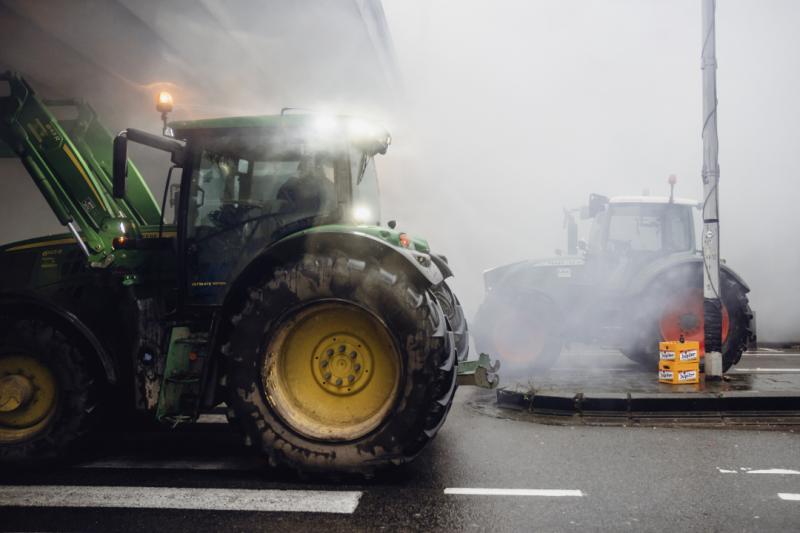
column 502, row 113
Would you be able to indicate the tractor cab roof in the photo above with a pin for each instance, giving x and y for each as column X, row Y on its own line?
column 265, row 122
column 651, row 200
column 367, row 135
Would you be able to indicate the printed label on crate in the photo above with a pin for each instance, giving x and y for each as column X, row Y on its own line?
column 688, row 355
column 667, row 355
column 665, row 374
column 687, row 375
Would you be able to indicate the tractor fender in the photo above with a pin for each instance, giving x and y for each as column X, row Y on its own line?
column 441, row 263
column 547, row 278
column 20, row 303
column 421, row 267
column 646, row 277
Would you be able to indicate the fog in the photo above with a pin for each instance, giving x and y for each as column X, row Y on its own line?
column 517, row 109
column 502, row 113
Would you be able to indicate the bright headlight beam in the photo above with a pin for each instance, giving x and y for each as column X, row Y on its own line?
column 361, row 128
column 362, row 214
column 325, row 123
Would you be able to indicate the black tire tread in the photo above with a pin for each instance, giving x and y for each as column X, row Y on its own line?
column 331, row 274
column 76, row 410
column 645, row 349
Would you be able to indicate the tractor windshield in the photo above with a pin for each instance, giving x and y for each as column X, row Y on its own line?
column 651, row 228
column 366, row 198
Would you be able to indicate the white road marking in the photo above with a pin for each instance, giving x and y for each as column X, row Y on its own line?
column 779, row 354
column 768, row 370
column 779, row 471
column 789, row 496
column 468, row 491
column 774, row 471
column 124, row 463
column 773, row 350
column 306, row 501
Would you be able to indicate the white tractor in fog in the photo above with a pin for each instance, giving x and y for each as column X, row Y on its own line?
column 637, row 281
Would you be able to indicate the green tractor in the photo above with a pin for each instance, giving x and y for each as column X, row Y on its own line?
column 636, row 282
column 332, row 341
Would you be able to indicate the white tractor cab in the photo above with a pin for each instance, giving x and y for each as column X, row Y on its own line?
column 635, row 282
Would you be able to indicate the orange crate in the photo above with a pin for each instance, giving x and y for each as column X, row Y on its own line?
column 678, row 373
column 679, row 352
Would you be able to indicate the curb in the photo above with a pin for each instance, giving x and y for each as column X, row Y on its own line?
column 570, row 403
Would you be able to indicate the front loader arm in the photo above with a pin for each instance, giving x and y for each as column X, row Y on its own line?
column 95, row 142
column 78, row 198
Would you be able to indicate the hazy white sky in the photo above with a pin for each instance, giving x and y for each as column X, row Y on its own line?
column 515, row 109
column 510, row 109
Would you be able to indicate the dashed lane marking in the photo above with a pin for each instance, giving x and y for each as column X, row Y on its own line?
column 468, row 491
column 789, row 496
column 778, row 471
column 773, row 471
column 306, row 501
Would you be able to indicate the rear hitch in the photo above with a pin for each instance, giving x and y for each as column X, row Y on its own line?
column 481, row 372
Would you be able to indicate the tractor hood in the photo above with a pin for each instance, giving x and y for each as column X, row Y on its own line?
column 534, row 274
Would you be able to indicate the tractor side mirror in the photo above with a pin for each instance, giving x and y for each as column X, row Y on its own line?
column 597, row 204
column 120, row 163
column 120, row 166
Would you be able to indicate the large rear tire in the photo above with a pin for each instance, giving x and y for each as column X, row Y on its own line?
column 456, row 322
column 673, row 307
column 521, row 330
column 336, row 364
column 47, row 393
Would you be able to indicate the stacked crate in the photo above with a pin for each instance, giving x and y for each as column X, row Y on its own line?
column 679, row 362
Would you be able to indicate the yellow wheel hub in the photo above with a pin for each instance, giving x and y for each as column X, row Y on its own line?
column 27, row 397
column 332, row 371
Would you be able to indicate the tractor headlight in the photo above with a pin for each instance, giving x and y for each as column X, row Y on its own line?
column 362, row 214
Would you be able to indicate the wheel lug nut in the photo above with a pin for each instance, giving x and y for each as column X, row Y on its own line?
column 357, row 367
column 327, row 375
column 351, row 378
column 342, row 348
column 338, row 381
column 353, row 354
column 324, row 363
column 329, row 352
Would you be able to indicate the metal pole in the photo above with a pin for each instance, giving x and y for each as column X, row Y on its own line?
column 711, row 287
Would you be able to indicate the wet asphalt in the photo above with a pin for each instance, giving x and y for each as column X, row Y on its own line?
column 599, row 477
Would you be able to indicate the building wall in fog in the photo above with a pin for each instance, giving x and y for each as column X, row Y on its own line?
column 216, row 57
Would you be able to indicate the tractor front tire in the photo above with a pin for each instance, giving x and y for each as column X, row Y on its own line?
column 339, row 364
column 47, row 393
column 521, row 330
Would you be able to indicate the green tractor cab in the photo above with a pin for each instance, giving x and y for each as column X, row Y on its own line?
column 637, row 281
column 332, row 340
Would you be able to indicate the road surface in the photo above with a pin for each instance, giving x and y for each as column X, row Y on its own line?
column 482, row 472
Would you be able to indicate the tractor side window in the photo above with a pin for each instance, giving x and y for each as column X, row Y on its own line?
column 231, row 192
column 366, row 195
column 632, row 229
column 678, row 236
column 243, row 200
column 649, row 228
